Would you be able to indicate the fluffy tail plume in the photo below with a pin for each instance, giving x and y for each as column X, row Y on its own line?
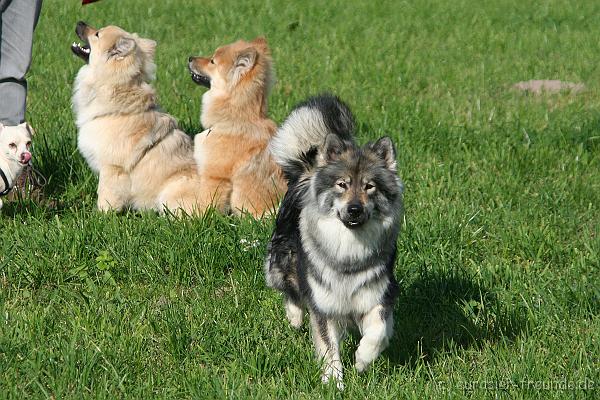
column 297, row 141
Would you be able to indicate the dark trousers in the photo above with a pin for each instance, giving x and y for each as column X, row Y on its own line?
column 19, row 18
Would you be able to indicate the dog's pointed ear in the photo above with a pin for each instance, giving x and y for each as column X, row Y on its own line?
column 384, row 149
column 244, row 62
column 331, row 149
column 28, row 128
column 260, row 40
column 148, row 46
column 261, row 43
column 123, row 48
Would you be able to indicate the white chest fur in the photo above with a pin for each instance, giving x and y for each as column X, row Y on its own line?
column 87, row 143
column 199, row 150
column 339, row 292
column 348, row 294
column 337, row 241
column 11, row 170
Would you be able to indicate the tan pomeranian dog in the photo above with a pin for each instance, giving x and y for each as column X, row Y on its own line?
column 143, row 160
column 237, row 169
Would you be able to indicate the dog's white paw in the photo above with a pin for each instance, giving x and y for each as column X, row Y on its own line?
column 363, row 359
column 293, row 314
column 329, row 375
column 361, row 366
column 104, row 206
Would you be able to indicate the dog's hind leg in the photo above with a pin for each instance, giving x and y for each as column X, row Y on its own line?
column 326, row 334
column 279, row 275
column 293, row 312
column 255, row 192
column 376, row 327
column 193, row 195
column 180, row 196
column 214, row 192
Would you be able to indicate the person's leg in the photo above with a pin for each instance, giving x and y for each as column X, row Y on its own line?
column 17, row 22
column 4, row 4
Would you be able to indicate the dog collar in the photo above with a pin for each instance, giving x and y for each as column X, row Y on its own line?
column 7, row 187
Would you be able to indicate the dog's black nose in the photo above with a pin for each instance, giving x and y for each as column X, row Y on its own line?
column 355, row 209
column 80, row 28
column 190, row 59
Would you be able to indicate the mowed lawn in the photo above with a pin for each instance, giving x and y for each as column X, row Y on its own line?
column 498, row 258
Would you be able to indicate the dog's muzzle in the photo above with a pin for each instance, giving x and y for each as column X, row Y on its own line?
column 200, row 79
column 81, row 50
column 354, row 215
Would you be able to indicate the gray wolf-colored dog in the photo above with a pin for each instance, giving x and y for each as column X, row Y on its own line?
column 334, row 245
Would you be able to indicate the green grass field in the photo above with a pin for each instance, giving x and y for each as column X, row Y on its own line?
column 498, row 258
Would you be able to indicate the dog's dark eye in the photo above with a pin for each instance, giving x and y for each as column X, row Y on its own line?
column 97, row 34
column 342, row 184
column 212, row 60
column 12, row 146
column 28, row 144
column 369, row 186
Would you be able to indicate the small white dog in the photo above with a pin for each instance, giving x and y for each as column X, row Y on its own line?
column 15, row 142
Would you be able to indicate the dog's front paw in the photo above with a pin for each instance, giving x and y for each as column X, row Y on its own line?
column 106, row 206
column 329, row 375
column 361, row 366
column 363, row 360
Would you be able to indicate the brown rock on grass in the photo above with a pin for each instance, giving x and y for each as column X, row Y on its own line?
column 549, row 86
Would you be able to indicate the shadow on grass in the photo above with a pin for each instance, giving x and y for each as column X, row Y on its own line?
column 59, row 163
column 441, row 312
column 45, row 209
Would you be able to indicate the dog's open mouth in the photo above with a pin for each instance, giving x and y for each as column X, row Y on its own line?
column 200, row 79
column 82, row 51
column 353, row 224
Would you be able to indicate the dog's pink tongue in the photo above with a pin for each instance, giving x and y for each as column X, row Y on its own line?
column 25, row 157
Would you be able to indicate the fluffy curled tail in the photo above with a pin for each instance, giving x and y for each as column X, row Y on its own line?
column 297, row 140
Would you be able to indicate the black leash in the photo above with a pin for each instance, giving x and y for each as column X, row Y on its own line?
column 39, row 180
column 7, row 187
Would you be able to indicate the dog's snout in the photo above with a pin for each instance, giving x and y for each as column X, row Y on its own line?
column 354, row 214
column 80, row 30
column 355, row 209
column 25, row 157
column 80, row 27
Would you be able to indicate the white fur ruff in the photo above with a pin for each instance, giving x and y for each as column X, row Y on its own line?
column 343, row 293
